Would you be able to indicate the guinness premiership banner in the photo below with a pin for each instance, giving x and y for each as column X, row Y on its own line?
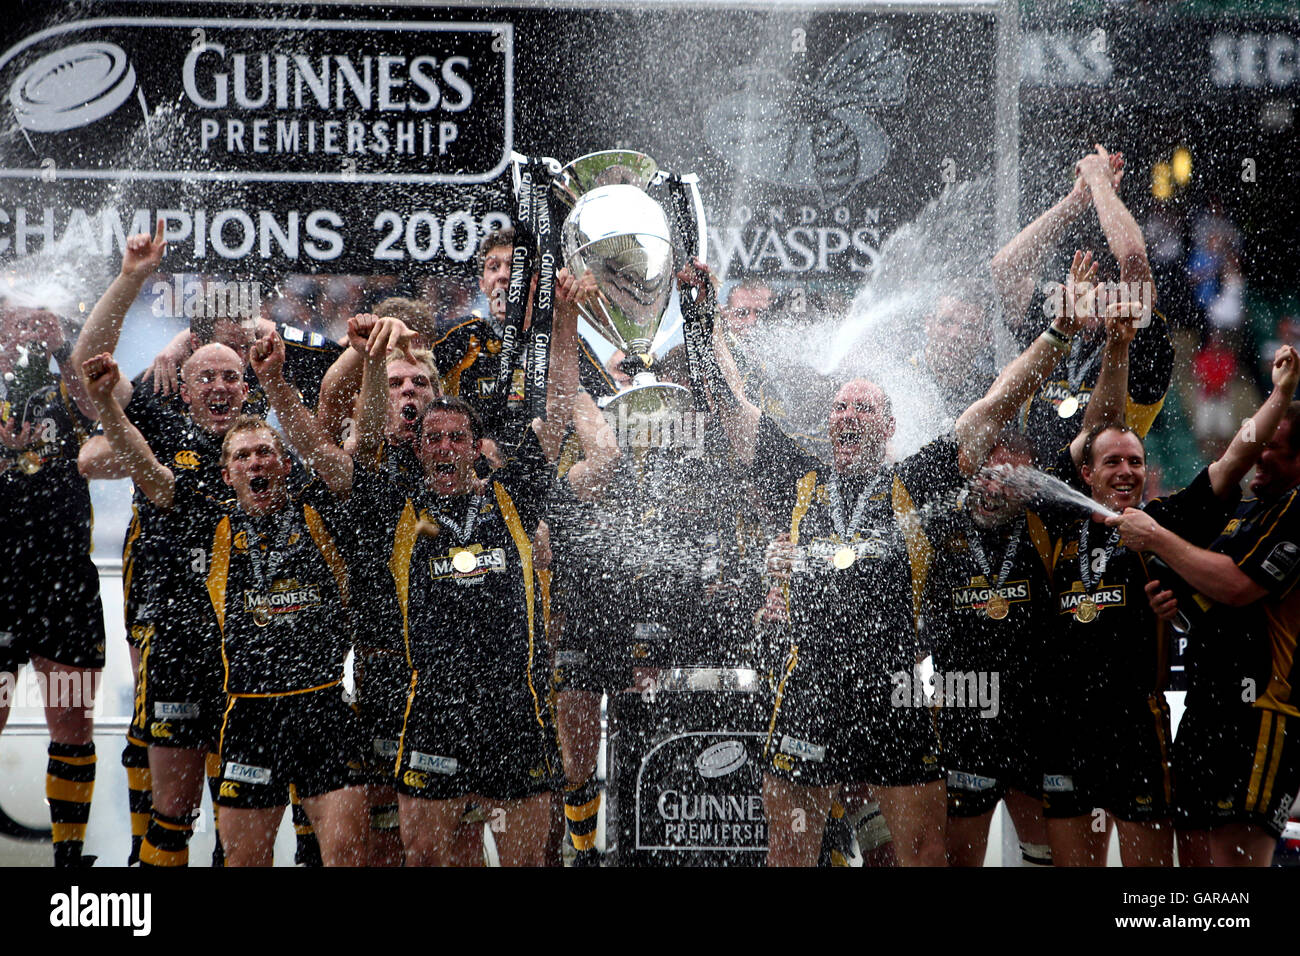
column 375, row 139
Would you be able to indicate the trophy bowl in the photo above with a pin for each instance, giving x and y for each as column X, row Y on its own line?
column 620, row 235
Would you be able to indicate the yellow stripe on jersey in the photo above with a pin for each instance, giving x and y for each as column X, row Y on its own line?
column 792, row 661
column 451, row 381
column 920, row 553
column 128, row 562
column 219, row 572
column 525, row 549
column 1261, row 758
column 805, row 492
column 406, row 719
column 399, row 565
column 1279, row 741
column 329, row 551
column 1140, row 418
column 1265, row 536
column 1283, row 620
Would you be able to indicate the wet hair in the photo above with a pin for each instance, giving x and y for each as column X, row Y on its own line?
column 501, row 236
column 417, row 315
column 458, row 406
column 250, row 423
column 1101, row 429
column 421, row 357
column 1015, row 443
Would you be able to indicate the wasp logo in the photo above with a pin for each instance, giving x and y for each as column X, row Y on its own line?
column 160, row 728
column 187, row 459
column 228, row 790
column 413, row 778
column 783, row 762
column 241, row 541
column 819, row 135
column 493, row 346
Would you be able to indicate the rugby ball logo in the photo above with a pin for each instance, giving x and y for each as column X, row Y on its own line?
column 72, row 87
column 721, row 759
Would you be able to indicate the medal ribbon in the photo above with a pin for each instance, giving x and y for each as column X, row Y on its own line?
column 548, row 257
column 1085, row 564
column 1008, row 556
column 1076, row 370
column 265, row 566
column 465, row 531
column 846, row 532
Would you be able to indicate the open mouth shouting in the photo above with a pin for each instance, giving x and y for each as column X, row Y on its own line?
column 259, row 485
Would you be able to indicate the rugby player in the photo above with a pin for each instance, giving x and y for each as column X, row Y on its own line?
column 179, row 698
column 1051, row 418
column 987, row 616
column 1235, row 766
column 463, row 589
column 50, row 610
column 853, row 603
column 1108, row 753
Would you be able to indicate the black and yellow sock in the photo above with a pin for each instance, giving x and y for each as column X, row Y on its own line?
column 213, row 768
column 581, row 810
column 139, row 783
column 69, row 785
column 167, row 842
column 307, row 852
column 837, row 839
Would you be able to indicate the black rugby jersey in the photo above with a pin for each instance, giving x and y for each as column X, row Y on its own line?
column 279, row 589
column 1253, row 648
column 962, row 591
column 1106, row 636
column 462, row 581
column 1151, row 368
column 877, row 597
column 159, row 545
column 44, row 501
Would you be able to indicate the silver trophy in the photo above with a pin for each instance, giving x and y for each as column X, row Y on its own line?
column 620, row 234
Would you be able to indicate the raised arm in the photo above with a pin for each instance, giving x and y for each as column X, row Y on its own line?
column 562, row 376
column 104, row 327
column 978, row 427
column 591, row 476
column 135, row 458
column 378, row 336
column 1226, row 473
column 1109, row 402
column 327, row 459
column 1018, row 264
column 1123, row 234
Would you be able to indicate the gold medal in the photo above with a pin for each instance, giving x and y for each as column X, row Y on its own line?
column 464, row 561
column 261, row 616
column 1068, row 407
column 30, row 462
column 997, row 607
column 843, row 558
column 1086, row 612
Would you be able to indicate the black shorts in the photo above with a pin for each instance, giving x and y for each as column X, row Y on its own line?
column 496, row 742
column 311, row 740
column 383, row 685
column 1235, row 764
column 833, row 725
column 582, row 663
column 50, row 608
column 987, row 752
column 179, row 689
column 1112, row 755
